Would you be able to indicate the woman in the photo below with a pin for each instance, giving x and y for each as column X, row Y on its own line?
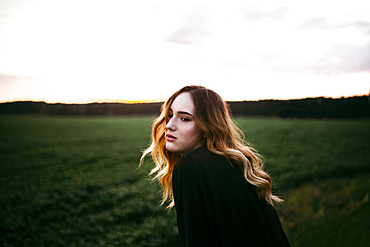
column 216, row 182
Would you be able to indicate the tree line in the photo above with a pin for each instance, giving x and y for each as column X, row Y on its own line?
column 316, row 108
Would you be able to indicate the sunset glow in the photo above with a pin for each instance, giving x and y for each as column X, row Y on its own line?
column 113, row 51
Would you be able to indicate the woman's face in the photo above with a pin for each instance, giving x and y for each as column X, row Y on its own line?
column 182, row 134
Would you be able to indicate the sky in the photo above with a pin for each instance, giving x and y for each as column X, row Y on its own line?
column 81, row 51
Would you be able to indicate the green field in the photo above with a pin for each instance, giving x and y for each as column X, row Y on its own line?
column 76, row 182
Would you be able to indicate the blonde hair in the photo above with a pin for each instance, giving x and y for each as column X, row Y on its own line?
column 223, row 137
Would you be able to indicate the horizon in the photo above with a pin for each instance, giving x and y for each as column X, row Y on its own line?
column 162, row 101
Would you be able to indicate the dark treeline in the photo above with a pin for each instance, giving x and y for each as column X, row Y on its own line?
column 93, row 109
column 318, row 108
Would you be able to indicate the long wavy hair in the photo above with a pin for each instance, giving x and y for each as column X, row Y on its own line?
column 222, row 137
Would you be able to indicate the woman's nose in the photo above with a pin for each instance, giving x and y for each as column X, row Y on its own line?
column 170, row 125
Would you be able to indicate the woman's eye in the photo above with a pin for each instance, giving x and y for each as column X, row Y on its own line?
column 184, row 119
column 170, row 115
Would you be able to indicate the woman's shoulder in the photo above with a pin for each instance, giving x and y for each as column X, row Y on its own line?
column 202, row 159
column 198, row 155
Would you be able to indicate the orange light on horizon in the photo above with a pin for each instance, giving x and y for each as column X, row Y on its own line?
column 102, row 101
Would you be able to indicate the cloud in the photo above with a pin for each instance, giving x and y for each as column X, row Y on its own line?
column 193, row 29
column 316, row 22
column 8, row 79
column 323, row 23
column 361, row 24
column 7, row 16
column 344, row 59
column 14, row 87
column 344, row 41
column 356, row 59
column 258, row 15
column 278, row 13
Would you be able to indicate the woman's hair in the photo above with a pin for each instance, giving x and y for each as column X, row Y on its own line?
column 223, row 137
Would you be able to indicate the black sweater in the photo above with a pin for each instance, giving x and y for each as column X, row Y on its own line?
column 216, row 206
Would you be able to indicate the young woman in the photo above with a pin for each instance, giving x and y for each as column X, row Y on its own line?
column 214, row 179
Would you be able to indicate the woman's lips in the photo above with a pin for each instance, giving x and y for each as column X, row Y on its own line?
column 170, row 138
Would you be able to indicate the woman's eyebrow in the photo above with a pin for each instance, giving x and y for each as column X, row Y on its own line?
column 180, row 112
column 184, row 112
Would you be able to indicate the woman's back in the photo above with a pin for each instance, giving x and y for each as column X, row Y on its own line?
column 216, row 206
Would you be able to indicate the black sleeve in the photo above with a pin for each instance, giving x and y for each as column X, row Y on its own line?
column 196, row 222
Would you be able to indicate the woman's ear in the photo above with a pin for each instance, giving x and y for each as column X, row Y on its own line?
column 204, row 135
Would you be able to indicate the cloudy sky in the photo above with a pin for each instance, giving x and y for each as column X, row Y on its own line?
column 76, row 51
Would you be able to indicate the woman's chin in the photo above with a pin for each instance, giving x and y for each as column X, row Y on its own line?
column 170, row 147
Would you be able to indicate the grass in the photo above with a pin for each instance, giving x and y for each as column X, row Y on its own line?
column 334, row 212
column 298, row 151
column 76, row 182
